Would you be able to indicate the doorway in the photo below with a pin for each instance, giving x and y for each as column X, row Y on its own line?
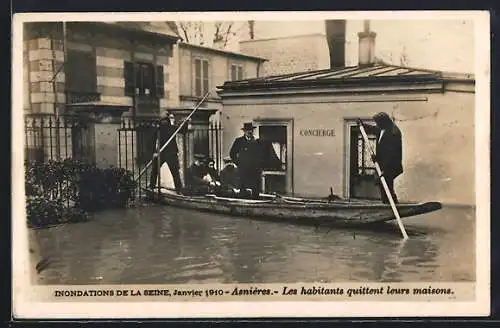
column 361, row 174
column 277, row 176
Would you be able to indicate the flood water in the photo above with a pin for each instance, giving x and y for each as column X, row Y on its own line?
column 165, row 245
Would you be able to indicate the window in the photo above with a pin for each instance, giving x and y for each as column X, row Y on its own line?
column 81, row 76
column 144, row 79
column 201, row 77
column 236, row 72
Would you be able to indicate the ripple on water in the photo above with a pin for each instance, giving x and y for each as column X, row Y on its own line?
column 167, row 245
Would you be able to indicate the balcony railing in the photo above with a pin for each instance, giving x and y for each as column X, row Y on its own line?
column 147, row 105
column 76, row 97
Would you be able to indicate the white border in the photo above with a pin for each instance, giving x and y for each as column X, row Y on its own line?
column 23, row 308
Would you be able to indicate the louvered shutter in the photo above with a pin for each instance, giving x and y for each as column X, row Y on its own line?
column 128, row 75
column 160, row 81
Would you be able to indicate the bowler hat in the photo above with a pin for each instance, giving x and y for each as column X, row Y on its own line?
column 248, row 126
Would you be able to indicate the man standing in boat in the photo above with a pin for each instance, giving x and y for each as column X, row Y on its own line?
column 246, row 154
column 170, row 153
column 389, row 152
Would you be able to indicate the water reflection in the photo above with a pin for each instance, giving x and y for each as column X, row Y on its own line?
column 166, row 245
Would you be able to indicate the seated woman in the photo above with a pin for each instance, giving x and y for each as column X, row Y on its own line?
column 196, row 183
column 212, row 174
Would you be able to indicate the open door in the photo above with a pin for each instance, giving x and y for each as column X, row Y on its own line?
column 277, row 176
column 362, row 172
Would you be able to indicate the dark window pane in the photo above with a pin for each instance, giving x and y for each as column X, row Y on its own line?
column 240, row 73
column 80, row 71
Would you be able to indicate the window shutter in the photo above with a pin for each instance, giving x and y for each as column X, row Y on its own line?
column 128, row 75
column 197, row 74
column 233, row 73
column 160, row 81
column 205, row 78
column 240, row 73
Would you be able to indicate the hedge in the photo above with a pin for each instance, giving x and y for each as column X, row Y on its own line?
column 67, row 190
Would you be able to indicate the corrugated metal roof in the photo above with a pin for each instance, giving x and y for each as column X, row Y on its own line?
column 374, row 73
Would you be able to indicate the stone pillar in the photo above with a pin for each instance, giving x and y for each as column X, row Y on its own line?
column 46, row 58
column 106, row 123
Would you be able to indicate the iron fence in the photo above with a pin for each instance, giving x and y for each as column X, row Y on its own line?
column 55, row 138
column 50, row 137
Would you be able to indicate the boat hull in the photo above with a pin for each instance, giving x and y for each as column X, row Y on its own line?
column 339, row 212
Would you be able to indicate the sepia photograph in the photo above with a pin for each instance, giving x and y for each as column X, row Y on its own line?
column 244, row 157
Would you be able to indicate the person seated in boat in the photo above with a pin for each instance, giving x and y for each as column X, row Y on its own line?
column 195, row 182
column 198, row 179
column 230, row 179
column 212, row 171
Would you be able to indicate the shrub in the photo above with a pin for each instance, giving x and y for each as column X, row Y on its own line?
column 43, row 212
column 62, row 191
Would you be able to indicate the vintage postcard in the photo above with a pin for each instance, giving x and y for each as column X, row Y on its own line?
column 251, row 164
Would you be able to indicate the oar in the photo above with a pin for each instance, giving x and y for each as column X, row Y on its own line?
column 173, row 135
column 384, row 183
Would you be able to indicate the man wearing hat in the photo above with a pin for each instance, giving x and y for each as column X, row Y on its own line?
column 246, row 154
column 170, row 153
column 389, row 152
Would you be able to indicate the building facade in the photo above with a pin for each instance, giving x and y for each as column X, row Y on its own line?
column 108, row 63
column 202, row 69
column 120, row 76
column 310, row 117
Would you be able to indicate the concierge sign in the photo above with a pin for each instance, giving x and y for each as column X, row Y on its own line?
column 317, row 132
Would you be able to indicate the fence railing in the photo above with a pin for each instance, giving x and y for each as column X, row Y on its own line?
column 48, row 137
column 68, row 136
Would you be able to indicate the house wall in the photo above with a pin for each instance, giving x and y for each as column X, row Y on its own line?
column 43, row 56
column 219, row 68
column 290, row 54
column 438, row 140
column 110, row 54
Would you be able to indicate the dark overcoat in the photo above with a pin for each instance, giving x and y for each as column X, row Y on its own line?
column 389, row 153
column 246, row 154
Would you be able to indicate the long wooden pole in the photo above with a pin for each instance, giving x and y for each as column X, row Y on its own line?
column 173, row 135
column 384, row 183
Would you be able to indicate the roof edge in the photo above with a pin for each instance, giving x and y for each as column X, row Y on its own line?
column 116, row 26
column 220, row 51
column 284, row 37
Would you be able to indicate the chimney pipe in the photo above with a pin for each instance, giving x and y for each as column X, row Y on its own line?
column 366, row 45
column 335, row 35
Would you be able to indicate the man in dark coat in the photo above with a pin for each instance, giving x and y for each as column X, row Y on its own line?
column 170, row 154
column 389, row 153
column 246, row 154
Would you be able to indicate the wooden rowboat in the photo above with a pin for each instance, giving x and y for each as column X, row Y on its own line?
column 290, row 209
